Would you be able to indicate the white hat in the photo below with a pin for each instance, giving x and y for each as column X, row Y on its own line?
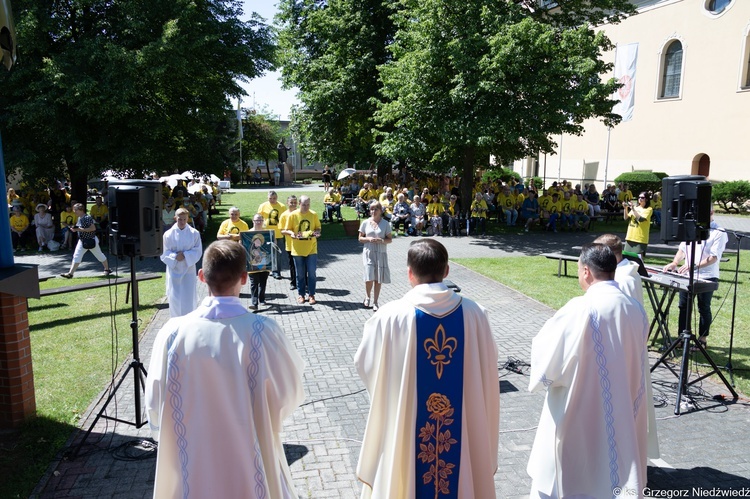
column 42, row 205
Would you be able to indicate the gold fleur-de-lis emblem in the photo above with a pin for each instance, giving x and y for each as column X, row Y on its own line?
column 440, row 349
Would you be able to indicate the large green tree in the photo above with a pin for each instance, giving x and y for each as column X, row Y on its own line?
column 127, row 85
column 261, row 134
column 471, row 79
column 331, row 51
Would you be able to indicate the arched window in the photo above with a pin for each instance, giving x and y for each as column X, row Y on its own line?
column 672, row 71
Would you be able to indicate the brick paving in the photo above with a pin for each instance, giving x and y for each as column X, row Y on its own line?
column 703, row 448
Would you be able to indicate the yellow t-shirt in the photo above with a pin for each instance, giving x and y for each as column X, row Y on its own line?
column 507, row 201
column 567, row 206
column 554, row 207
column 271, row 214
column 19, row 223
column 435, row 209
column 68, row 219
column 638, row 232
column 99, row 212
column 544, row 201
column 332, row 198
column 283, row 222
column 479, row 208
column 306, row 224
column 229, row 227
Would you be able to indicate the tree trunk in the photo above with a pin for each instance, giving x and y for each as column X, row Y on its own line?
column 468, row 158
column 78, row 183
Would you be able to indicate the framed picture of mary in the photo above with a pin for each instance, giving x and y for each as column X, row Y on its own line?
column 259, row 245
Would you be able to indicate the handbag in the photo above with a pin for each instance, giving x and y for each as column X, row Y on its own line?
column 89, row 243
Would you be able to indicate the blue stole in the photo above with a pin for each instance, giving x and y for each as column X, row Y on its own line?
column 440, row 389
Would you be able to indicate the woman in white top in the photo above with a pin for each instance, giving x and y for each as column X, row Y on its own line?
column 375, row 233
column 418, row 211
column 45, row 227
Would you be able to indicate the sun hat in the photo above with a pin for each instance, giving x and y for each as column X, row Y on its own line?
column 42, row 205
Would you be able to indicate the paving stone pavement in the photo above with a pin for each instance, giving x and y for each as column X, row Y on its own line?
column 701, row 448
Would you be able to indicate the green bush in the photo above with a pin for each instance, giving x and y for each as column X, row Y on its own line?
column 538, row 182
column 502, row 174
column 641, row 181
column 731, row 195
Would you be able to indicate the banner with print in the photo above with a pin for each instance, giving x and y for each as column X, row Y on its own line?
column 625, row 64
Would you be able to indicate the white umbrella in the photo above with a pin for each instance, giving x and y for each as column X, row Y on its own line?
column 172, row 179
column 192, row 189
column 214, row 178
column 188, row 174
column 346, row 172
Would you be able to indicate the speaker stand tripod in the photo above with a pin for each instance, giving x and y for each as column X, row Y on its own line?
column 688, row 339
column 136, row 366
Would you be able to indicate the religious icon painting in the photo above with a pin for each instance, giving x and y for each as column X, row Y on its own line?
column 259, row 245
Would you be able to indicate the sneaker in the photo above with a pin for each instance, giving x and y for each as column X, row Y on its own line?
column 526, row 229
column 66, row 275
column 253, row 307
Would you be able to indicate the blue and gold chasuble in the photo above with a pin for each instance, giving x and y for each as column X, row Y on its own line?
column 440, row 387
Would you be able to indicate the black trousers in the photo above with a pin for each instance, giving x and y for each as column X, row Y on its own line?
column 258, row 282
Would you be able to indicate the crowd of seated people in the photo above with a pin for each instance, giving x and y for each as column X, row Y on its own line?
column 431, row 204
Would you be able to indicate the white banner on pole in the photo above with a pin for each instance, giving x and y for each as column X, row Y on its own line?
column 625, row 62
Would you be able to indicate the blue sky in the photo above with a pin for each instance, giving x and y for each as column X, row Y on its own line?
column 266, row 91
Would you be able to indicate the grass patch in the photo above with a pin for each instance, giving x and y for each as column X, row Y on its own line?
column 77, row 341
column 537, row 278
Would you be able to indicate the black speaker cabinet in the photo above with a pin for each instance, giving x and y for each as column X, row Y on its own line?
column 686, row 208
column 135, row 217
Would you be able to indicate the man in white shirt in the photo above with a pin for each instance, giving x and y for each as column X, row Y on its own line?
column 220, row 383
column 429, row 363
column 591, row 359
column 707, row 257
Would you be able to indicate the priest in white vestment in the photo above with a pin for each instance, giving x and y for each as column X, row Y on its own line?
column 220, row 383
column 182, row 248
column 407, row 431
column 591, row 358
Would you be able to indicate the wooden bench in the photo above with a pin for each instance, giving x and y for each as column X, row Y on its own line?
column 99, row 284
column 562, row 259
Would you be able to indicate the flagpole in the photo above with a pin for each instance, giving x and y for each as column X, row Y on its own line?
column 609, row 130
column 559, row 159
column 239, row 124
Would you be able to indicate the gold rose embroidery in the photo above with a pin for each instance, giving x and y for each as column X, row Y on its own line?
column 442, row 347
column 435, row 441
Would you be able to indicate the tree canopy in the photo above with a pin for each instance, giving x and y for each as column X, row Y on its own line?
column 261, row 133
column 127, row 85
column 474, row 79
column 453, row 82
column 331, row 51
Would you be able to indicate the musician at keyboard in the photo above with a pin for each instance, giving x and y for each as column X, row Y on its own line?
column 707, row 257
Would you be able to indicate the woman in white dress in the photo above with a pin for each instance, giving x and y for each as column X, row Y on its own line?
column 45, row 227
column 375, row 233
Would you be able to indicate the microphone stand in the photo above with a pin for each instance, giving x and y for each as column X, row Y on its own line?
column 729, row 366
